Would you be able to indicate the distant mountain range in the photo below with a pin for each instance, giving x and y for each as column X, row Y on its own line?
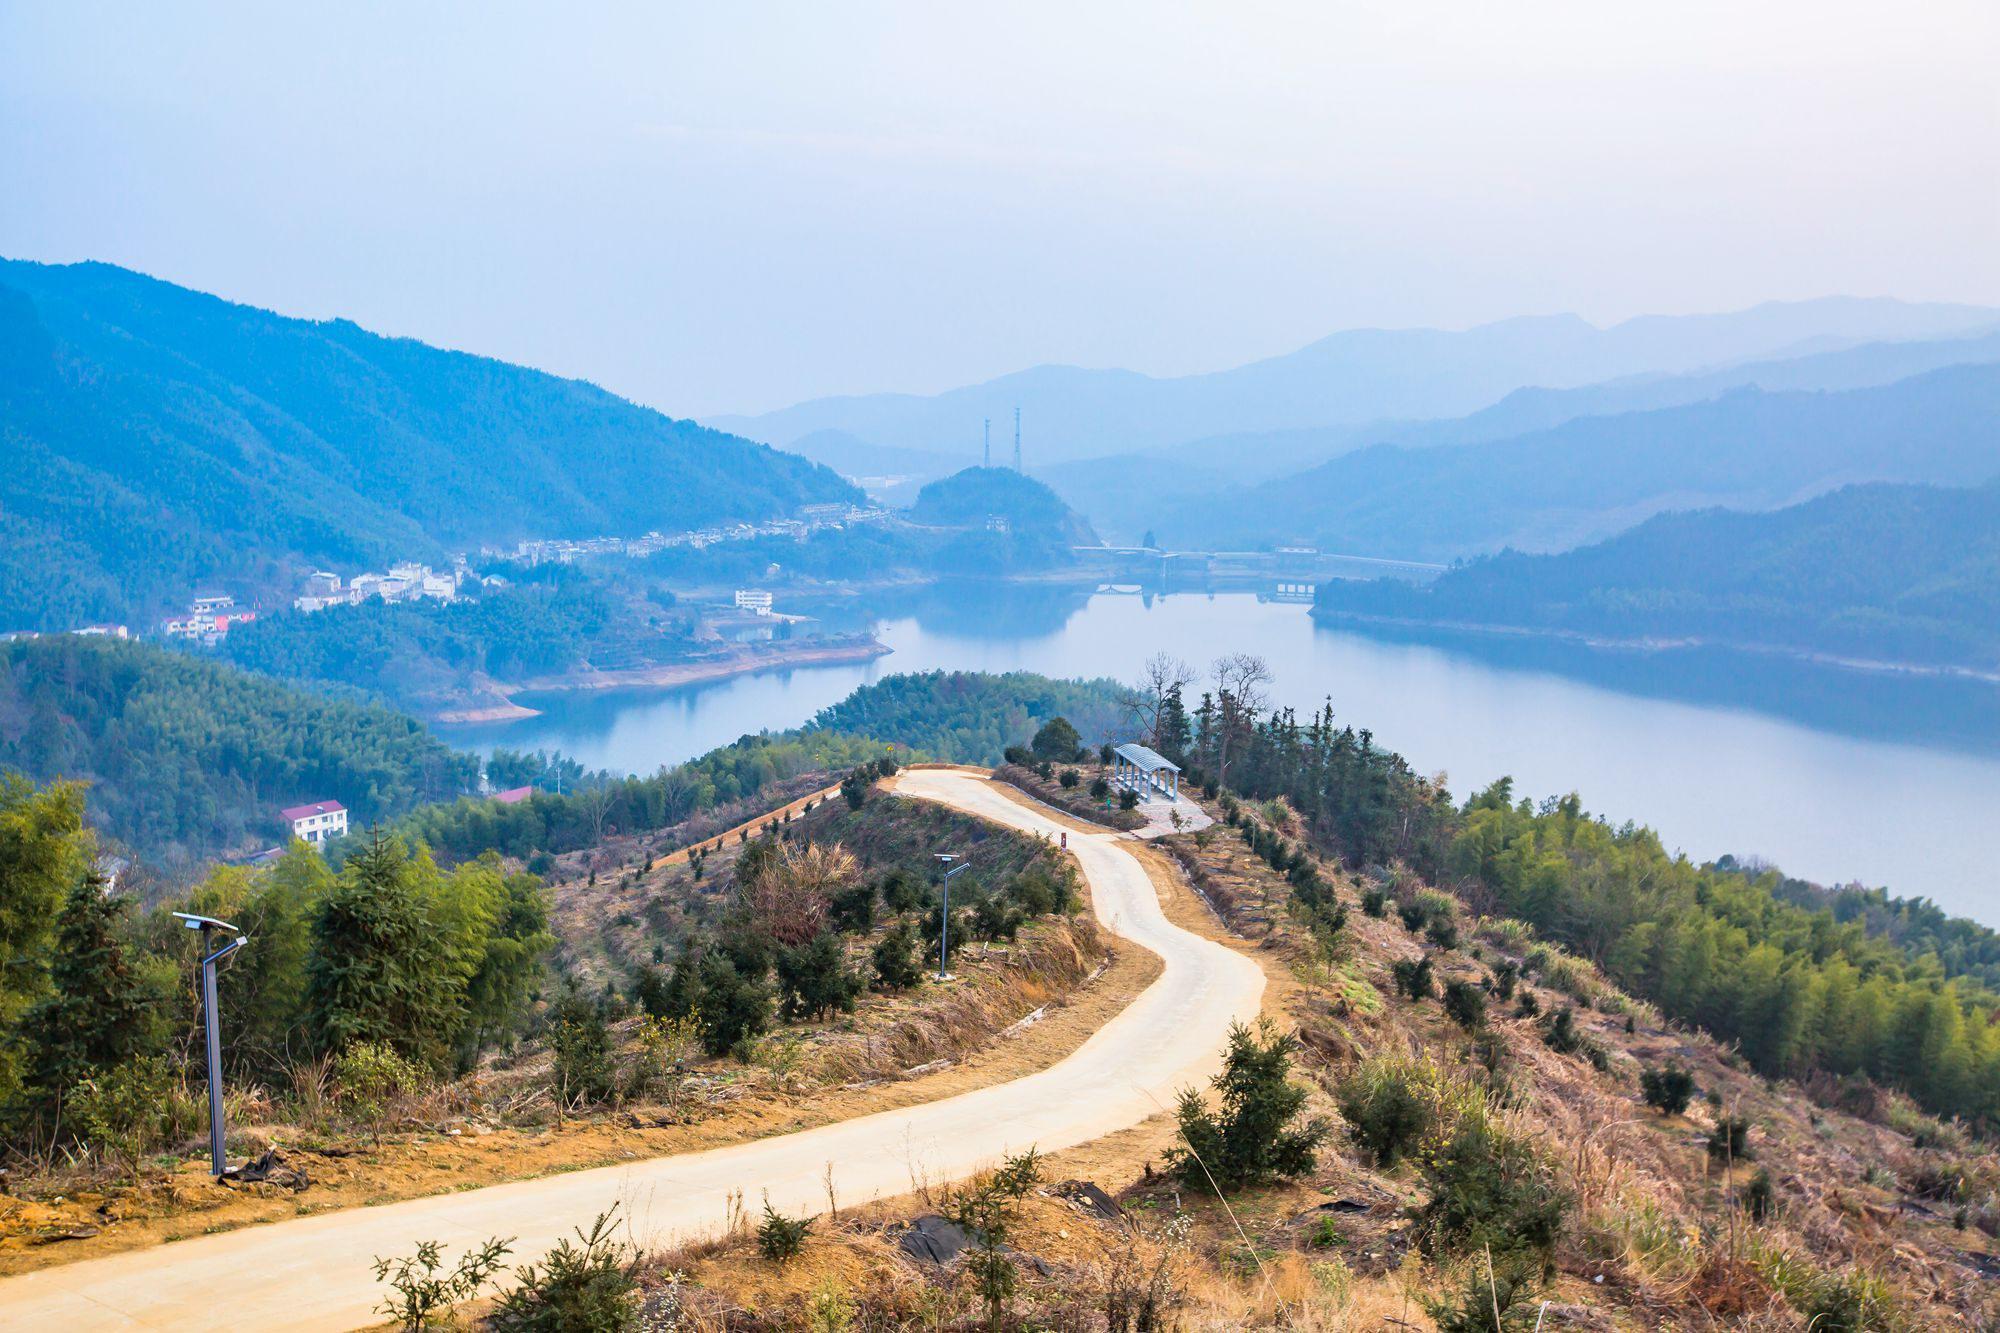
column 1349, row 379
column 1589, row 478
column 158, row 439
column 1204, row 469
column 1879, row 572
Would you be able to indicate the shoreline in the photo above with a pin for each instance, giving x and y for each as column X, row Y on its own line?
column 1582, row 639
column 667, row 675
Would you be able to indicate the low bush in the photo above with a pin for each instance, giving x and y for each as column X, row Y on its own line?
column 1940, row 1182
column 780, row 1238
column 1668, row 1089
column 1561, row 1035
column 815, row 981
column 119, row 1110
column 896, row 964
column 1491, row 1190
column 1393, row 1104
column 1465, row 1003
column 1412, row 977
column 985, row 1211
column 1729, row 1141
column 1758, row 1196
column 423, row 1291
column 581, row 1066
column 1831, row 1300
column 586, row 1287
column 1256, row 1136
column 1490, row 1300
column 372, row 1079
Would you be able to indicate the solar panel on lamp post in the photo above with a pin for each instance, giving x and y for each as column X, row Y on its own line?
column 944, row 915
column 212, row 1021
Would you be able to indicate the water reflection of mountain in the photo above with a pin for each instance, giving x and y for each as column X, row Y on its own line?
column 1949, row 712
column 984, row 608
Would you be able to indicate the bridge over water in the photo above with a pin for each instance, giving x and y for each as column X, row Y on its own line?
column 1285, row 564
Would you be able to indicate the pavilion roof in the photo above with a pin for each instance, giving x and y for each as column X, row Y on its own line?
column 1145, row 759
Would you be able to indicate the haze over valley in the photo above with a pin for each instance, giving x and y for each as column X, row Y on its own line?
column 871, row 668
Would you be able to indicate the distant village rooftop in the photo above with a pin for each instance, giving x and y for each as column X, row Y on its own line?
column 316, row 808
column 317, row 822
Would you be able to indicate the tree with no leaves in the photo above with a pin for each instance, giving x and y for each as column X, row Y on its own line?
column 596, row 802
column 791, row 892
column 1160, row 679
column 1240, row 694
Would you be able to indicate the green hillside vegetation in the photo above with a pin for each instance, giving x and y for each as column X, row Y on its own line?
column 386, row 969
column 973, row 717
column 963, row 717
column 1905, row 573
column 425, row 654
column 160, row 440
column 193, row 756
column 1801, row 991
column 1917, row 926
column 1590, row 478
column 602, row 804
column 836, row 900
column 966, row 499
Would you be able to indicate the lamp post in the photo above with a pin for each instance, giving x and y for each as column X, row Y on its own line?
column 212, row 1021
column 945, row 859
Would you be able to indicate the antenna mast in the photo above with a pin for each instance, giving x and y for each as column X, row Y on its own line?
column 986, row 452
column 1017, row 438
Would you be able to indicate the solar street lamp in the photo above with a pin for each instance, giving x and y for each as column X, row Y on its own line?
column 210, row 956
column 945, row 860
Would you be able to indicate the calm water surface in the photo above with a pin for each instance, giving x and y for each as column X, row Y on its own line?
column 1834, row 776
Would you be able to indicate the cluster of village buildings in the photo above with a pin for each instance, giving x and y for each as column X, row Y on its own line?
column 406, row 582
column 208, row 619
column 808, row 520
column 210, row 616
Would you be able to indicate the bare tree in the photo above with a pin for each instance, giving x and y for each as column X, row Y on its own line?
column 596, row 801
column 1244, row 676
column 677, row 794
column 790, row 892
column 1240, row 695
column 1162, row 674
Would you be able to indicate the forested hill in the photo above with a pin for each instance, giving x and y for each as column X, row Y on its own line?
column 190, row 755
column 1589, row 478
column 1884, row 572
column 971, row 717
column 158, row 439
column 963, row 716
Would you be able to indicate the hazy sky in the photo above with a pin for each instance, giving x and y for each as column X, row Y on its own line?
column 733, row 206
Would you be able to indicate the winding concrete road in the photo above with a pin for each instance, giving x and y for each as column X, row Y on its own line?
column 314, row 1273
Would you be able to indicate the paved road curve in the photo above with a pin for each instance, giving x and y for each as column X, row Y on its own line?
column 313, row 1273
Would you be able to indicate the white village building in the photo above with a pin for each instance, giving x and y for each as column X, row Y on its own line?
column 319, row 822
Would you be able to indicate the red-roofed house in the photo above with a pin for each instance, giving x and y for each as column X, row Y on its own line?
column 513, row 795
column 317, row 822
